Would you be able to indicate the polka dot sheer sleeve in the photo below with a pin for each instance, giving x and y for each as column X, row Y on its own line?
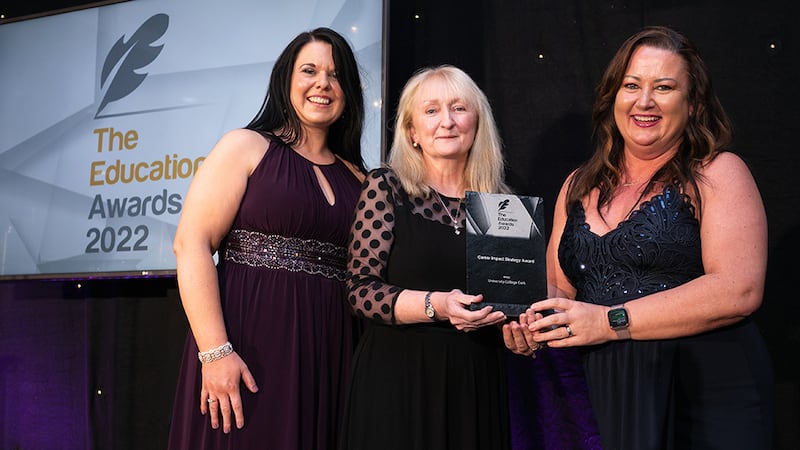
column 371, row 238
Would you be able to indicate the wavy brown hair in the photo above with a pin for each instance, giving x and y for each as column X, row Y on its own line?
column 708, row 131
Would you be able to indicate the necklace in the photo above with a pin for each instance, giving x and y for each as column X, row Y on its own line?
column 632, row 183
column 447, row 210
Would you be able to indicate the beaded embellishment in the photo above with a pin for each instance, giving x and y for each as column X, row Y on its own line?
column 293, row 254
column 215, row 353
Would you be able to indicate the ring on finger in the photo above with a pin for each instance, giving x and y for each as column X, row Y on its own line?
column 212, row 400
column 569, row 331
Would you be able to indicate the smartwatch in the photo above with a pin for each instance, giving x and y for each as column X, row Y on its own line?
column 429, row 311
column 619, row 321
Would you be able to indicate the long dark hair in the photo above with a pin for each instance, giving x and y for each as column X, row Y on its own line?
column 278, row 118
column 708, row 131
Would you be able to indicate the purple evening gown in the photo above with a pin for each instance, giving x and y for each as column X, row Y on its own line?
column 292, row 328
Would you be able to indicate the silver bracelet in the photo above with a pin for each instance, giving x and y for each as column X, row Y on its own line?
column 215, row 353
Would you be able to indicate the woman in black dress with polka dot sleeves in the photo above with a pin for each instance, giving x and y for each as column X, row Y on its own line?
column 428, row 372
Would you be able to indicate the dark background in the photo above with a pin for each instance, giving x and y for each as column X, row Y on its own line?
column 93, row 363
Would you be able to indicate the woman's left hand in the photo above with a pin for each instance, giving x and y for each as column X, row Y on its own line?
column 573, row 323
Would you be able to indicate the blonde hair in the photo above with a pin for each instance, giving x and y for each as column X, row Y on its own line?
column 485, row 169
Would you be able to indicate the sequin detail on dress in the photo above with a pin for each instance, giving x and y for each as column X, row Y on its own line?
column 294, row 254
column 655, row 249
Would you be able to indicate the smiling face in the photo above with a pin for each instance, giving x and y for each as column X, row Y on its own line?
column 442, row 124
column 316, row 95
column 652, row 107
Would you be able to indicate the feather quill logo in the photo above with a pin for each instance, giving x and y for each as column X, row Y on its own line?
column 121, row 70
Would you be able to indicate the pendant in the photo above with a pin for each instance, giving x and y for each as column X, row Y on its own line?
column 457, row 231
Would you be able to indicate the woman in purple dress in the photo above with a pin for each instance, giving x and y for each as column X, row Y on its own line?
column 268, row 356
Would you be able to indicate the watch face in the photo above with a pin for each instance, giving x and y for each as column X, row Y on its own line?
column 618, row 318
column 429, row 311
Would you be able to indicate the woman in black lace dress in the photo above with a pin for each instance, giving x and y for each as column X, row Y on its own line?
column 428, row 373
column 657, row 260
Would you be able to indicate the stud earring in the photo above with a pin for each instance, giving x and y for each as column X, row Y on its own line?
column 414, row 144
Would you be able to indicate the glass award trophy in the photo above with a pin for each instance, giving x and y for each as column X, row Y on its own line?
column 505, row 251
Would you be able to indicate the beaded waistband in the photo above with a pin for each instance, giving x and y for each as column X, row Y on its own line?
column 294, row 254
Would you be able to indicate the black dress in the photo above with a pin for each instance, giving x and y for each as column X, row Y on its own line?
column 422, row 386
column 712, row 390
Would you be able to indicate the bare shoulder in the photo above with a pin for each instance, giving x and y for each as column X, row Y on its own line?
column 727, row 180
column 242, row 138
column 240, row 146
column 562, row 193
column 724, row 164
column 569, row 180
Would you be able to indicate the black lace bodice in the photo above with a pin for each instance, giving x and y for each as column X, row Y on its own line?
column 402, row 242
column 656, row 248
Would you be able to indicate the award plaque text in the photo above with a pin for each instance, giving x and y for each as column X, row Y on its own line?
column 505, row 251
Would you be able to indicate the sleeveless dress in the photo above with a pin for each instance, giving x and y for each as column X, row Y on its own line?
column 289, row 321
column 420, row 386
column 708, row 391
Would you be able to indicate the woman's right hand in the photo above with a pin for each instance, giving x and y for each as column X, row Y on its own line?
column 519, row 339
column 454, row 306
column 220, row 392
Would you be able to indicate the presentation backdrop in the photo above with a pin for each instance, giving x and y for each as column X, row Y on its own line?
column 108, row 112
